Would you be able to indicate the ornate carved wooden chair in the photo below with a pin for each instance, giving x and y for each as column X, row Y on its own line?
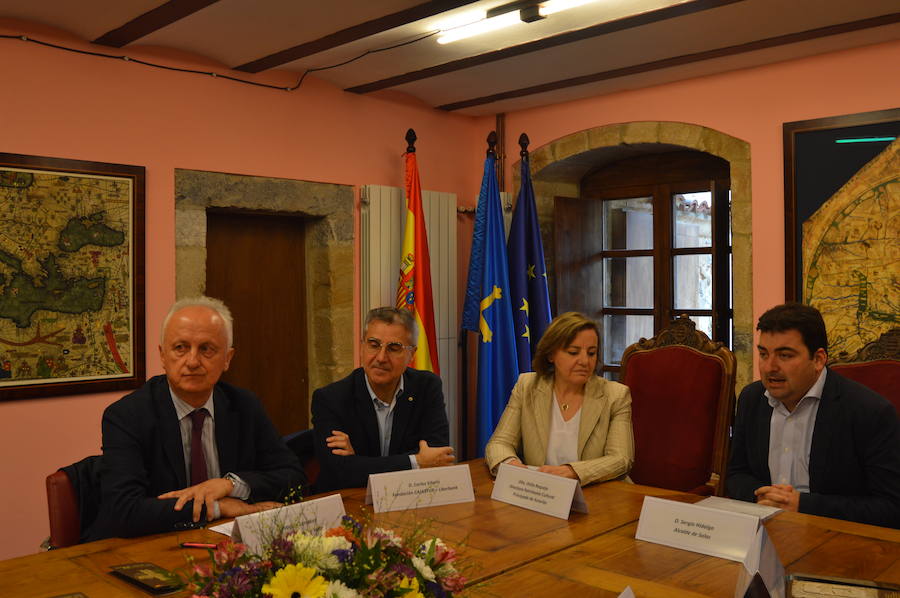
column 876, row 365
column 682, row 390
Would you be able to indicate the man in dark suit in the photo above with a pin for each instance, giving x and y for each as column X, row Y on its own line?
column 185, row 447
column 805, row 438
column 384, row 416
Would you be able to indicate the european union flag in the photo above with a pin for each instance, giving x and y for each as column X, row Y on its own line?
column 487, row 308
column 527, row 273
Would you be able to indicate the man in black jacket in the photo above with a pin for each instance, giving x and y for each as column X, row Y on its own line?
column 186, row 447
column 384, row 416
column 807, row 439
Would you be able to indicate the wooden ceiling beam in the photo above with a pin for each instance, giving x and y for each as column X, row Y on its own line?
column 152, row 20
column 653, row 16
column 351, row 34
column 762, row 44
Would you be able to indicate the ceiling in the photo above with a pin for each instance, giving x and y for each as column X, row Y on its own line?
column 366, row 46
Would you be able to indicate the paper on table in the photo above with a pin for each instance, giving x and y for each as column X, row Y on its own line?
column 223, row 528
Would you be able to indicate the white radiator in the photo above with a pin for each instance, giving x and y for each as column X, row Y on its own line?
column 382, row 223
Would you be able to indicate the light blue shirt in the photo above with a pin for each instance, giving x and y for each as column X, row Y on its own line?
column 384, row 412
column 790, row 437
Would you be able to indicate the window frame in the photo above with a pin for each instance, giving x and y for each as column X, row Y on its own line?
column 664, row 253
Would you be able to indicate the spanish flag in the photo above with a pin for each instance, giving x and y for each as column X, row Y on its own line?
column 414, row 288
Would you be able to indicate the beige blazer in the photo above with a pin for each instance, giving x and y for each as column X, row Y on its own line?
column 605, row 440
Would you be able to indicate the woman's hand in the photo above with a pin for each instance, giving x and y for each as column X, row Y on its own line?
column 565, row 471
column 515, row 462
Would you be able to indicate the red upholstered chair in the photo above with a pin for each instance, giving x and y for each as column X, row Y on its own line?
column 682, row 391
column 73, row 501
column 877, row 365
column 62, row 505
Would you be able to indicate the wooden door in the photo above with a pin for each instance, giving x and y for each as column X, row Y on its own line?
column 577, row 246
column 256, row 264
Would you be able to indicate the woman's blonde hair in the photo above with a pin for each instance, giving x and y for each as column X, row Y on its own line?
column 560, row 334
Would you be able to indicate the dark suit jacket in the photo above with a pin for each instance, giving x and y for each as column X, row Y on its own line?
column 346, row 405
column 143, row 458
column 854, row 461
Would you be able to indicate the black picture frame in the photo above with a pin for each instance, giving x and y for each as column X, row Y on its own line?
column 815, row 167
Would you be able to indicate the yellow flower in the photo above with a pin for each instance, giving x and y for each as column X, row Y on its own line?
column 294, row 580
column 413, row 585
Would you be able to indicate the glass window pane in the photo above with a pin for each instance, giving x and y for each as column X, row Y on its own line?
column 621, row 331
column 628, row 282
column 611, row 375
column 693, row 219
column 693, row 281
column 628, row 223
column 704, row 324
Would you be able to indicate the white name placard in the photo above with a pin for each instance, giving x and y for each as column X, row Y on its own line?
column 258, row 529
column 762, row 560
column 724, row 534
column 417, row 488
column 542, row 492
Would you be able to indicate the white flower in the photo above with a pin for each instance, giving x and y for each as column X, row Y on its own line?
column 317, row 551
column 337, row 589
column 423, row 569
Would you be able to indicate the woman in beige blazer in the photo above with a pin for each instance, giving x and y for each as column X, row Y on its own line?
column 563, row 417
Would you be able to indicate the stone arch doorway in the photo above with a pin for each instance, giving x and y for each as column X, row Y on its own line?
column 328, row 251
column 557, row 168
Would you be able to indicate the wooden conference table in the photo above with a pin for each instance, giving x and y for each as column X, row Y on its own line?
column 515, row 552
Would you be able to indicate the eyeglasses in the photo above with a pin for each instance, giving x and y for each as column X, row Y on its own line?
column 374, row 345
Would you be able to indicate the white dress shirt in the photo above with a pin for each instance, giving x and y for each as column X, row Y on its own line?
column 790, row 437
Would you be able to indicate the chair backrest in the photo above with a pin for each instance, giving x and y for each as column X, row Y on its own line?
column 302, row 443
column 73, row 500
column 682, row 392
column 62, row 507
column 876, row 365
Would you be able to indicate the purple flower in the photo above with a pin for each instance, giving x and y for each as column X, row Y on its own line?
column 282, row 550
column 237, row 583
column 343, row 554
column 352, row 524
column 434, row 589
column 403, row 569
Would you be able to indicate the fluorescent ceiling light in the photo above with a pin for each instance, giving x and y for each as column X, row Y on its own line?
column 479, row 27
column 554, row 6
column 864, row 139
column 464, row 18
column 473, row 23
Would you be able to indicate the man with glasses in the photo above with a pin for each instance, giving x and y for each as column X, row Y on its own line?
column 384, row 416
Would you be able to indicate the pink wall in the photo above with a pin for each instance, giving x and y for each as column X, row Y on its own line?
column 751, row 105
column 64, row 105
column 72, row 106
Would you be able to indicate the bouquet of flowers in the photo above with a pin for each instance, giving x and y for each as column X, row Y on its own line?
column 349, row 561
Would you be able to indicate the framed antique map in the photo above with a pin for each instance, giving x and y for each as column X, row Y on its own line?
column 71, row 276
column 842, row 223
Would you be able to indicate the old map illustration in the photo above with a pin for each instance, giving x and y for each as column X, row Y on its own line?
column 851, row 255
column 65, row 277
